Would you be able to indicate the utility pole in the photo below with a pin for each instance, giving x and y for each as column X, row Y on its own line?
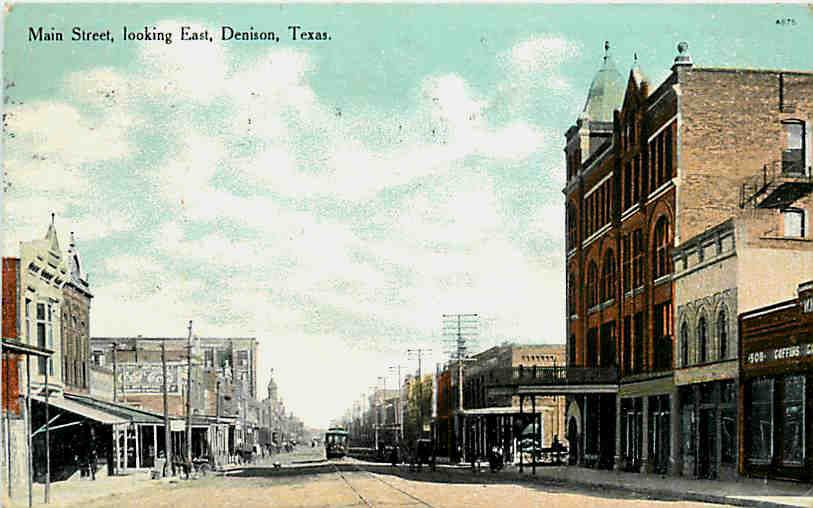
column 399, row 418
column 167, row 431
column 115, row 373
column 47, row 434
column 460, row 327
column 189, row 396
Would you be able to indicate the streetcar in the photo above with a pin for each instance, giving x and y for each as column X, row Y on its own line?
column 336, row 442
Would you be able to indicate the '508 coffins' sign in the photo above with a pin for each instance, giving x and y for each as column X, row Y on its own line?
column 782, row 353
column 149, row 378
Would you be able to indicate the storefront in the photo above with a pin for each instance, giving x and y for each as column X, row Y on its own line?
column 645, row 425
column 776, row 392
column 708, row 429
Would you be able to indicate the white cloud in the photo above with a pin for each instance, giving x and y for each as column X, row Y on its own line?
column 249, row 250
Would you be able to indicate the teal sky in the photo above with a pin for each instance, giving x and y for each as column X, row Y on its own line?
column 332, row 198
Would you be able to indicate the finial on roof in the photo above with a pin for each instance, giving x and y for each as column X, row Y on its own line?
column 52, row 218
column 606, row 49
column 683, row 57
column 635, row 58
column 73, row 240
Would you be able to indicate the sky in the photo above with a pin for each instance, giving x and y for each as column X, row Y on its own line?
column 331, row 198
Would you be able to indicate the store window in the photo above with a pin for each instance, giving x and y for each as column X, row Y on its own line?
column 687, row 424
column 760, row 421
column 793, row 431
column 728, row 422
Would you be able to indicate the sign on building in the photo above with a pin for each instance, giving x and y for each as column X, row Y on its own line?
column 148, row 378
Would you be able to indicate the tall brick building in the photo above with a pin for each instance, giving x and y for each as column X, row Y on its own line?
column 648, row 167
column 75, row 323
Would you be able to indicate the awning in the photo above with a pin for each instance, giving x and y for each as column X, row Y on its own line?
column 17, row 347
column 119, row 410
column 82, row 410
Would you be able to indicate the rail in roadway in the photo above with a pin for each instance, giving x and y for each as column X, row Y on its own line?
column 367, row 499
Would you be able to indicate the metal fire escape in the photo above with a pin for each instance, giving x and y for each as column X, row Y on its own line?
column 779, row 183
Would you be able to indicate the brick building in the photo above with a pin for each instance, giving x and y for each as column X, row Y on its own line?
column 494, row 414
column 647, row 169
column 75, row 324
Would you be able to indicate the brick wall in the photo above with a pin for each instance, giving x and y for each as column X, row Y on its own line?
column 731, row 126
column 11, row 298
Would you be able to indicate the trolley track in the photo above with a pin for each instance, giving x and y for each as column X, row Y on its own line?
column 365, row 500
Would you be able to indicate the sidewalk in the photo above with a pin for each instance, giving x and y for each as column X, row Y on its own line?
column 743, row 492
column 78, row 492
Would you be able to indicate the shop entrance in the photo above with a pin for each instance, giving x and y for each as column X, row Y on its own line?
column 707, row 451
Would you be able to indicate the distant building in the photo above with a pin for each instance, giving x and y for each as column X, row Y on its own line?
column 493, row 416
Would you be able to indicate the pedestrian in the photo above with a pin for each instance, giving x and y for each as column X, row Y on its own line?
column 394, row 456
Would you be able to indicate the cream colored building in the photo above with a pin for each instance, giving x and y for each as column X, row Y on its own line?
column 43, row 273
column 744, row 263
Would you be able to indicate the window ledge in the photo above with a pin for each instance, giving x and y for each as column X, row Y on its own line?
column 663, row 278
column 635, row 292
column 790, row 238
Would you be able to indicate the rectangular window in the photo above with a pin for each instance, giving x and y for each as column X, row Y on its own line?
column 610, row 207
column 636, row 180
column 638, row 258
column 638, row 342
column 209, row 358
column 50, row 331
column 592, row 348
column 626, row 344
column 41, row 341
column 794, row 222
column 608, row 345
column 668, row 154
column 653, row 161
column 628, row 185
column 661, row 163
column 28, row 320
column 793, row 156
column 760, row 421
column 793, row 424
column 663, row 338
column 626, row 263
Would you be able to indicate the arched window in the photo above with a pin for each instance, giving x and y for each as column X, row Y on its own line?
column 608, row 277
column 702, row 340
column 684, row 345
column 662, row 264
column 571, row 295
column 722, row 333
column 592, row 285
column 572, row 239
